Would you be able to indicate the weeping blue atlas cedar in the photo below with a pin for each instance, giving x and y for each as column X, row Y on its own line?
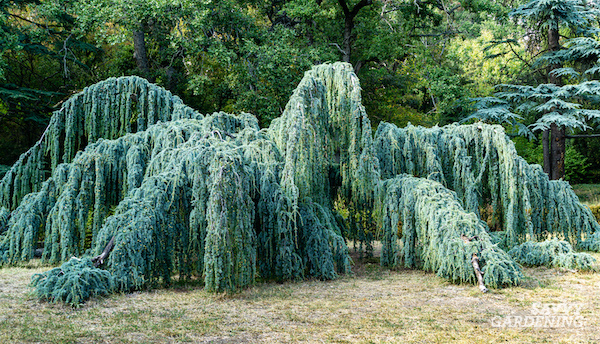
column 187, row 195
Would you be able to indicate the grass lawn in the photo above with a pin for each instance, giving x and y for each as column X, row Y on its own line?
column 588, row 193
column 374, row 305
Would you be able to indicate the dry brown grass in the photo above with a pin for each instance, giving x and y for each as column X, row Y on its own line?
column 373, row 306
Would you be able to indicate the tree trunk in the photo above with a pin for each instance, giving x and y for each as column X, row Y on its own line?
column 349, row 15
column 475, row 263
column 139, row 52
column 347, row 43
column 547, row 156
column 99, row 260
column 558, row 152
column 554, row 151
column 478, row 273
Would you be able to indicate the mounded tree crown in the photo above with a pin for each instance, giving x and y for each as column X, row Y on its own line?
column 180, row 193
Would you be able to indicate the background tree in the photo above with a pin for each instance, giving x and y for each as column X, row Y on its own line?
column 568, row 98
column 41, row 62
column 419, row 61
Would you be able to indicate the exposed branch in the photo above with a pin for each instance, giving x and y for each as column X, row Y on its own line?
column 66, row 55
column 358, row 7
column 467, row 239
column 446, row 33
column 339, row 48
column 99, row 260
column 478, row 273
column 475, row 263
column 518, row 56
column 45, row 26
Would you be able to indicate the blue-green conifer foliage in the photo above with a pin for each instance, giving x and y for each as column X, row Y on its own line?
column 216, row 197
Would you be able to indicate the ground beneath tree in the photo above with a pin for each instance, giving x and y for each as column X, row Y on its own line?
column 375, row 305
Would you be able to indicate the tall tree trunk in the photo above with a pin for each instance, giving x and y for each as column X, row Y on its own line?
column 554, row 157
column 139, row 52
column 349, row 15
column 558, row 152
column 347, row 43
column 547, row 152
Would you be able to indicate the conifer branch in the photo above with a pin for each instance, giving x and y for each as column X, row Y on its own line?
column 260, row 201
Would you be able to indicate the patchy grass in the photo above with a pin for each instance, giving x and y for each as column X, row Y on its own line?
column 375, row 305
column 588, row 193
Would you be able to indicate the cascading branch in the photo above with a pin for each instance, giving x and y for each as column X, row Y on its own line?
column 108, row 110
column 480, row 163
column 437, row 234
column 217, row 197
column 554, row 253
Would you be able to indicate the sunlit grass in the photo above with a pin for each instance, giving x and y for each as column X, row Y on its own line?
column 588, row 193
column 375, row 305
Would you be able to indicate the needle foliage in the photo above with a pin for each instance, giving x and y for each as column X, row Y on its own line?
column 480, row 163
column 216, row 197
column 552, row 253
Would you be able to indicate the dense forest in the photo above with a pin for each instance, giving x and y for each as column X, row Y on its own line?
column 428, row 62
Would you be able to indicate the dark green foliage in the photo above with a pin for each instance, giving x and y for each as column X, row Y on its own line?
column 73, row 282
column 42, row 61
column 216, row 197
column 576, row 166
column 552, row 253
column 589, row 149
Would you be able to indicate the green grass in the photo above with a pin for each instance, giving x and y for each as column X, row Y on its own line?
column 374, row 305
column 588, row 193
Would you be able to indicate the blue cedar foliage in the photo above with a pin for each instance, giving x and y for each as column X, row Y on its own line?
column 480, row 163
column 432, row 220
column 4, row 214
column 106, row 110
column 552, row 253
column 217, row 197
column 73, row 282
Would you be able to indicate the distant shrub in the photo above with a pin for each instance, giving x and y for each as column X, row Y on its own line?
column 596, row 211
column 576, row 166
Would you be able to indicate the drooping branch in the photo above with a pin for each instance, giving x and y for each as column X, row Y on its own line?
column 106, row 110
column 216, row 196
column 481, row 165
column 438, row 234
